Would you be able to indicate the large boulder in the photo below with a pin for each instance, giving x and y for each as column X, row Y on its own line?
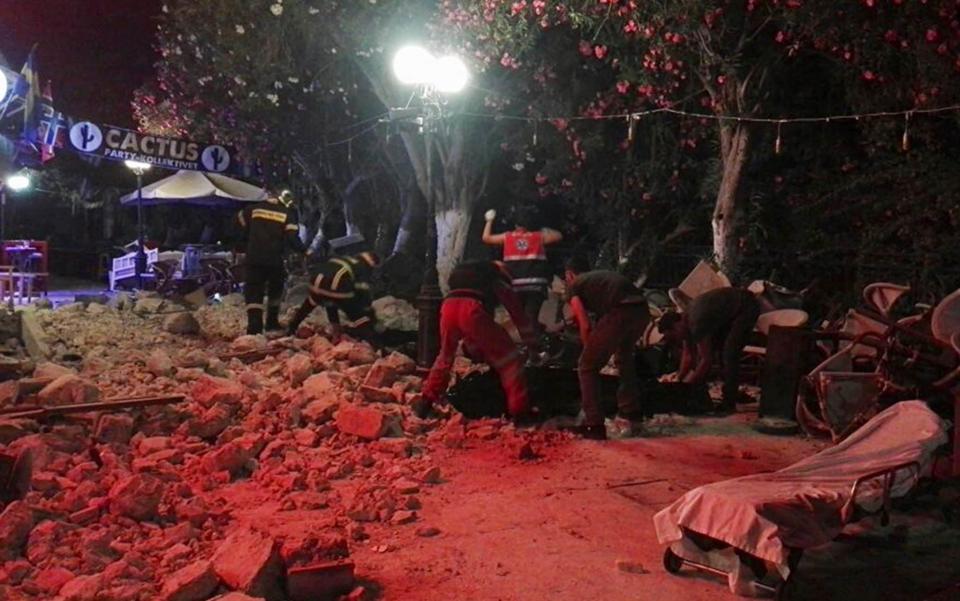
column 249, row 561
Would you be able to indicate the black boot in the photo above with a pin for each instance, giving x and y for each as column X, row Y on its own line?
column 598, row 432
column 273, row 319
column 302, row 313
column 254, row 321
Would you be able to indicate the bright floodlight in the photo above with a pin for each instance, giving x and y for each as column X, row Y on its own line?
column 450, row 74
column 18, row 182
column 413, row 65
column 136, row 166
column 3, row 85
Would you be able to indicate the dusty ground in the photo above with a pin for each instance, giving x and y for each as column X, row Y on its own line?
column 555, row 528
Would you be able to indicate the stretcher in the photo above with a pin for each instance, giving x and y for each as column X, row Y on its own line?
column 754, row 529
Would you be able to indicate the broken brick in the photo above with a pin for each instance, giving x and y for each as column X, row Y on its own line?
column 364, row 422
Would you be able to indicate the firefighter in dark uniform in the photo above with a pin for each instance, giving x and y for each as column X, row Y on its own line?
column 621, row 314
column 270, row 228
column 722, row 318
column 476, row 288
column 342, row 284
column 525, row 256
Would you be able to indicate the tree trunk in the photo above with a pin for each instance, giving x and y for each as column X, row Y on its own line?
column 727, row 213
column 453, row 226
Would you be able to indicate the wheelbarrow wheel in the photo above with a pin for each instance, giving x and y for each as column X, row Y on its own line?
column 671, row 561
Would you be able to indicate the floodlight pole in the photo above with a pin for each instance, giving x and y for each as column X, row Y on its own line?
column 430, row 296
column 140, row 262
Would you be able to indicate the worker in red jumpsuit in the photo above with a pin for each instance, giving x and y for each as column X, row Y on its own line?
column 525, row 256
column 466, row 315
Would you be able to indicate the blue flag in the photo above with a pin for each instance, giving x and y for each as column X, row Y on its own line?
column 31, row 106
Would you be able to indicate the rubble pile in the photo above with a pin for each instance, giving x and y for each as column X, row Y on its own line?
column 282, row 456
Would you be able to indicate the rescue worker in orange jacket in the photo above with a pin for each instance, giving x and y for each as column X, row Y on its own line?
column 525, row 256
column 342, row 284
column 476, row 287
column 271, row 229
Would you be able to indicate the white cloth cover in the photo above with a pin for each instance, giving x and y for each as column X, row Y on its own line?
column 803, row 505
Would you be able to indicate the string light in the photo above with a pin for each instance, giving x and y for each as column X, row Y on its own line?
column 632, row 128
column 536, row 131
column 778, row 145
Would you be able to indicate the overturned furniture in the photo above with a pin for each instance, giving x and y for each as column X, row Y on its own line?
column 754, row 529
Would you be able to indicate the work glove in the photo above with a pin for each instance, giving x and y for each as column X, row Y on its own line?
column 490, row 215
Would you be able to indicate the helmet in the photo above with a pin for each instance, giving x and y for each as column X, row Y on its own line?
column 286, row 198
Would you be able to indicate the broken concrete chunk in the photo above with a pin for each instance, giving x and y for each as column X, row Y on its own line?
column 210, row 390
column 378, row 395
column 249, row 562
column 319, row 386
column 182, row 324
column 114, row 428
column 81, row 588
column 136, row 497
column 195, row 582
column 69, row 390
column 365, row 422
column 146, row 306
column 213, row 421
column 51, row 580
column 248, row 343
column 320, row 581
column 159, row 363
column 320, row 411
column 299, row 368
column 16, row 522
column 47, row 370
column 356, row 353
column 231, row 457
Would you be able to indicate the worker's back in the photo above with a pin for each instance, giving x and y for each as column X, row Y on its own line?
column 268, row 224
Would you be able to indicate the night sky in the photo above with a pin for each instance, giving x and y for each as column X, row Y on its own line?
column 95, row 52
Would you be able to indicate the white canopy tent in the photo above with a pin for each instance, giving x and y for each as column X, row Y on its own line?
column 197, row 188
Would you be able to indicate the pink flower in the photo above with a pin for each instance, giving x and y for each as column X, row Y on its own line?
column 623, row 87
column 869, row 75
column 518, row 7
column 541, row 179
column 600, row 51
column 933, row 35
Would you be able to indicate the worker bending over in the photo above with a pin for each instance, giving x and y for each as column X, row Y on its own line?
column 476, row 288
column 270, row 227
column 525, row 256
column 621, row 314
column 342, row 284
column 722, row 318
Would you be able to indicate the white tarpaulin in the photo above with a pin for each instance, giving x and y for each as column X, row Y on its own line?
column 197, row 188
column 805, row 504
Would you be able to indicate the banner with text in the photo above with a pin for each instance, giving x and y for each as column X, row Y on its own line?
column 119, row 144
